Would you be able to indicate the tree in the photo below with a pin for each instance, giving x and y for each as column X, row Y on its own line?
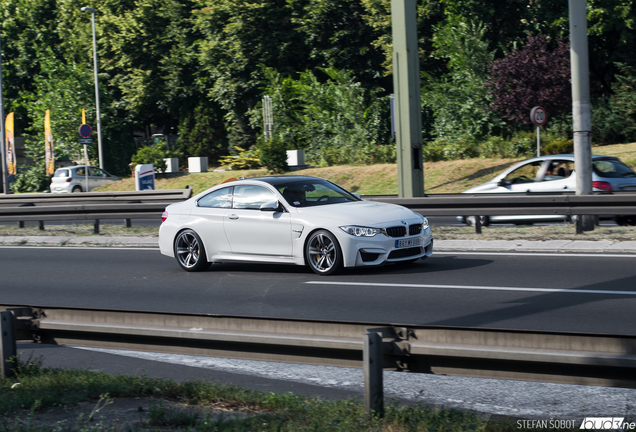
column 537, row 74
column 458, row 101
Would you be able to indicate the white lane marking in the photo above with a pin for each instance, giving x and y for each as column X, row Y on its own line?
column 473, row 287
column 83, row 247
column 545, row 254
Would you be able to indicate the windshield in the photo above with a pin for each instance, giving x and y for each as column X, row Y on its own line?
column 313, row 192
column 611, row 168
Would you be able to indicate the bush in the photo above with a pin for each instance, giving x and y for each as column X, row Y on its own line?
column 244, row 160
column 31, row 179
column 559, row 147
column 449, row 149
column 155, row 155
column 273, row 155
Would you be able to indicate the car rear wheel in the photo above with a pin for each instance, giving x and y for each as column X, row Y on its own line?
column 189, row 251
column 77, row 189
column 323, row 253
column 470, row 220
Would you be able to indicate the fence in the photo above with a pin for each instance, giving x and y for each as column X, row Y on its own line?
column 587, row 359
column 92, row 206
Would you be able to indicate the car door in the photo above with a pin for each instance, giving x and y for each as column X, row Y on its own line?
column 98, row 178
column 207, row 220
column 557, row 176
column 522, row 179
column 251, row 231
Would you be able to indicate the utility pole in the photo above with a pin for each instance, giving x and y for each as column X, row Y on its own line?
column 5, row 179
column 406, row 87
column 581, row 112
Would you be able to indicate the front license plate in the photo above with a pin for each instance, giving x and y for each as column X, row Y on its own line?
column 407, row 242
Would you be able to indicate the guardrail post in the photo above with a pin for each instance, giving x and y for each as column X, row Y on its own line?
column 96, row 226
column 20, row 224
column 373, row 363
column 8, row 347
column 41, row 225
column 478, row 224
column 127, row 223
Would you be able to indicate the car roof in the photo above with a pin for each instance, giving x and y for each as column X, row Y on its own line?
column 567, row 156
column 283, row 179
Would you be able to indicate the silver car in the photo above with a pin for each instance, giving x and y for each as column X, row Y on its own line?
column 554, row 173
column 80, row 179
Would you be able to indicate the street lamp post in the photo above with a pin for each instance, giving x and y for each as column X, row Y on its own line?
column 5, row 182
column 99, row 119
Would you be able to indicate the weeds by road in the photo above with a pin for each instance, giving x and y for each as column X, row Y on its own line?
column 42, row 399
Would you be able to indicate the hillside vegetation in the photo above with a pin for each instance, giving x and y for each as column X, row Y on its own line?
column 440, row 177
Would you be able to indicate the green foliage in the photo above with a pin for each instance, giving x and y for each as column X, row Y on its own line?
column 336, row 121
column 245, row 159
column 155, row 155
column 459, row 101
column 201, row 133
column 450, row 149
column 273, row 154
column 31, row 179
column 558, row 147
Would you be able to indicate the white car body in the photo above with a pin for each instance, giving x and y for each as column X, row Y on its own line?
column 79, row 179
column 231, row 234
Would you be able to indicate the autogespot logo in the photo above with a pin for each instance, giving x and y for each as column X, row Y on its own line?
column 606, row 423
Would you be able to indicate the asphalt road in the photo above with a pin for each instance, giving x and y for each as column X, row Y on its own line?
column 574, row 293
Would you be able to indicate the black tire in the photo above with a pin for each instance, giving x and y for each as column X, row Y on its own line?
column 77, row 189
column 323, row 254
column 470, row 221
column 189, row 251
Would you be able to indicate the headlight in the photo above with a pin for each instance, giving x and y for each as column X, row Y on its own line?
column 424, row 224
column 358, row 231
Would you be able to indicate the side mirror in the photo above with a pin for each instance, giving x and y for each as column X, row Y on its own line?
column 271, row 206
column 504, row 182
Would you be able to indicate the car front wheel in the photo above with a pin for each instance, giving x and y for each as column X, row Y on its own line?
column 323, row 253
column 189, row 251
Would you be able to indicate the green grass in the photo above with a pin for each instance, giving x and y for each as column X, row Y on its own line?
column 439, row 177
column 43, row 389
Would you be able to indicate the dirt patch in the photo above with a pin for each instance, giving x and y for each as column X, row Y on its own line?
column 118, row 414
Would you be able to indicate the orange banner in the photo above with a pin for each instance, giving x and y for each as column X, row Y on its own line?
column 11, row 158
column 48, row 144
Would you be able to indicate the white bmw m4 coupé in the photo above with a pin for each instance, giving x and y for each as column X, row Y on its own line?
column 291, row 220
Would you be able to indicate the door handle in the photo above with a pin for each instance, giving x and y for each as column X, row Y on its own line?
column 233, row 216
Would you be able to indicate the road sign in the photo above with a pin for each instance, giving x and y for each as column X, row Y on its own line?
column 86, row 141
column 539, row 116
column 85, row 131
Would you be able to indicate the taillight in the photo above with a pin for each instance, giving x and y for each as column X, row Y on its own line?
column 164, row 216
column 601, row 185
column 68, row 180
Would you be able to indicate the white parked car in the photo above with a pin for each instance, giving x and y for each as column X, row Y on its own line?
column 80, row 178
column 291, row 220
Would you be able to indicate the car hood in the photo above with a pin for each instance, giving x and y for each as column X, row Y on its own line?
column 366, row 213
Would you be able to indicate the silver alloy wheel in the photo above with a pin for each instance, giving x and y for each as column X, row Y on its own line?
column 323, row 253
column 189, row 251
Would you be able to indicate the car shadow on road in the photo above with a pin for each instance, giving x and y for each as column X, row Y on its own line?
column 436, row 264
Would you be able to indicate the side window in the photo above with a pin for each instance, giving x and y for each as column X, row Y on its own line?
column 524, row 174
column 97, row 172
column 221, row 198
column 558, row 170
column 251, row 197
column 80, row 171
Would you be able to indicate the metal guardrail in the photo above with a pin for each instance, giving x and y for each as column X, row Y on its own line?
column 587, row 359
column 137, row 205
column 88, row 206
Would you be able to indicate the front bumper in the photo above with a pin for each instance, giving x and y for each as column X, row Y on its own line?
column 379, row 250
